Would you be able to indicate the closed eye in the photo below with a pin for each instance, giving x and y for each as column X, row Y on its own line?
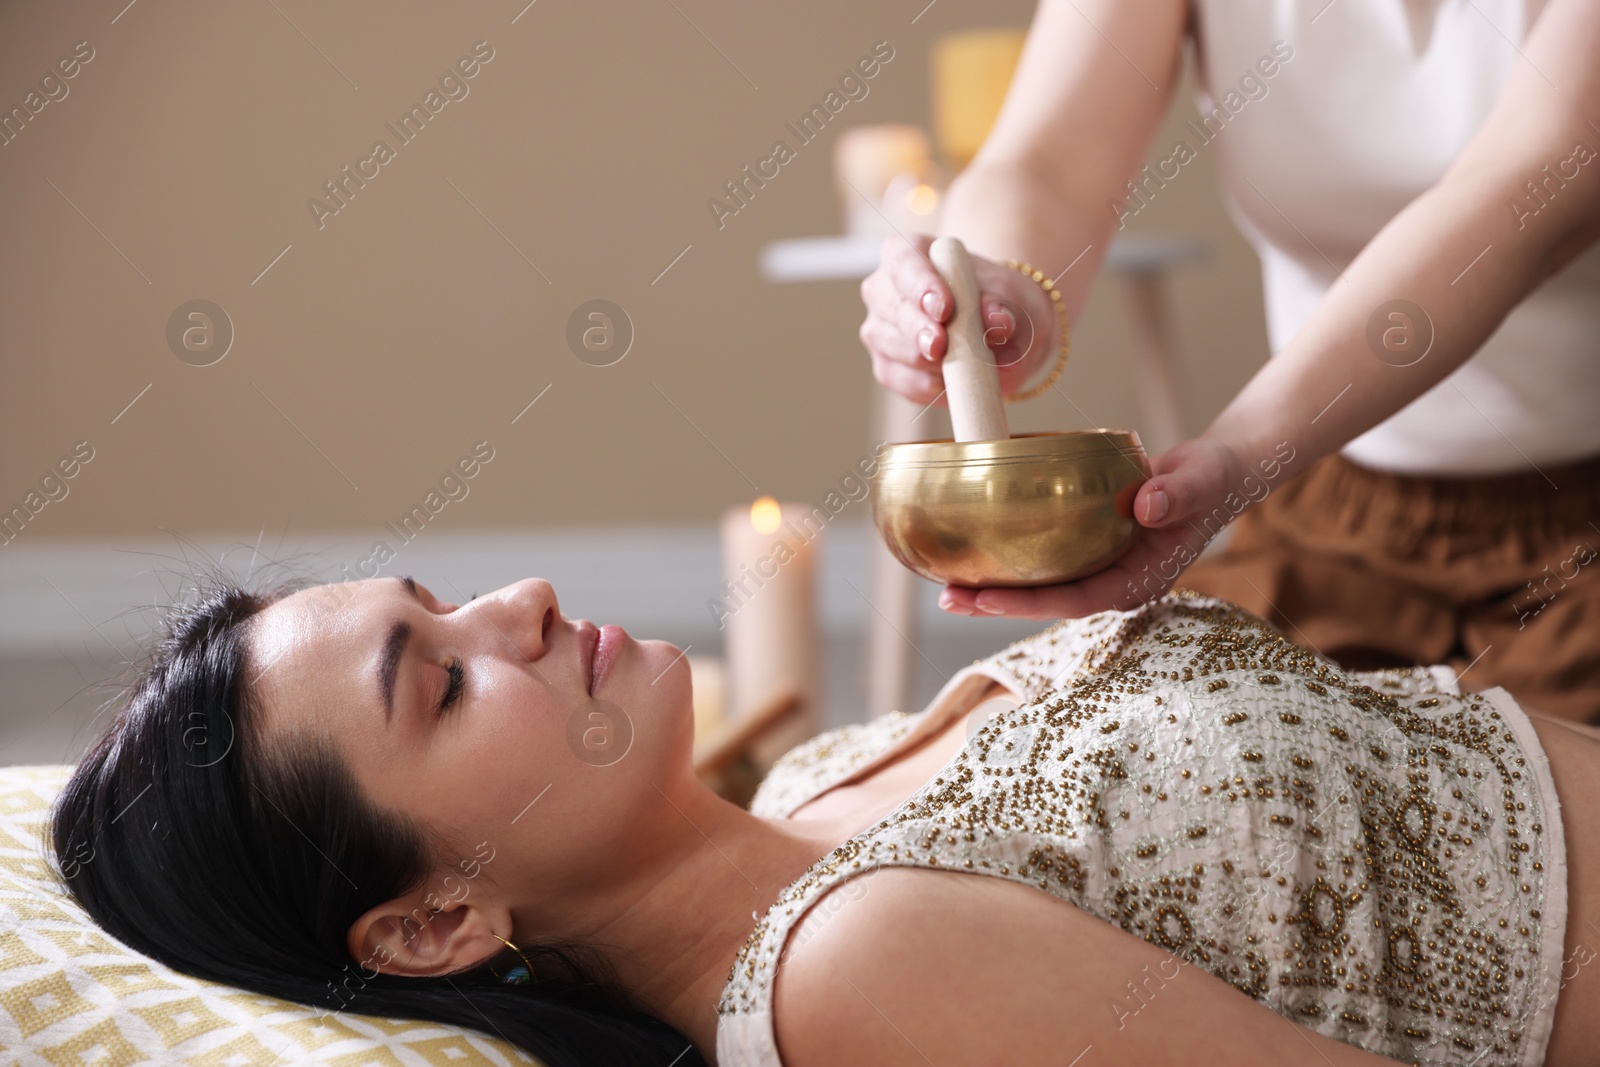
column 458, row 681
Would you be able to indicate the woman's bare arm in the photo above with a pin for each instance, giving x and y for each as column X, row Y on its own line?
column 935, row 967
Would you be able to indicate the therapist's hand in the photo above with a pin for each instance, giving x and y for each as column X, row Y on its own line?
column 1189, row 481
column 908, row 304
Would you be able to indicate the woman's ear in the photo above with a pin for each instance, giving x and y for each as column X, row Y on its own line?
column 407, row 936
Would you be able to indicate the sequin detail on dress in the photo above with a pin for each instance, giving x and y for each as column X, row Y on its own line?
column 814, row 765
column 1367, row 853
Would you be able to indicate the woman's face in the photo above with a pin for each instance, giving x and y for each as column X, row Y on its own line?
column 498, row 723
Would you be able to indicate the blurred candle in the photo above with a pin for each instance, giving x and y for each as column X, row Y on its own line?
column 710, row 682
column 768, row 607
column 886, row 179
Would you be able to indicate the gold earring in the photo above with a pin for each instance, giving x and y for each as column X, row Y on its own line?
column 516, row 975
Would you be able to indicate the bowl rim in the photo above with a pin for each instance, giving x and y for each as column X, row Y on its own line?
column 1023, row 446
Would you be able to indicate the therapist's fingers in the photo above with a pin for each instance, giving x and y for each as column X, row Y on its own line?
column 1188, row 480
column 909, row 306
column 895, row 328
column 918, row 386
column 887, row 342
column 1195, row 478
column 905, row 262
column 1143, row 574
column 1019, row 321
column 999, row 329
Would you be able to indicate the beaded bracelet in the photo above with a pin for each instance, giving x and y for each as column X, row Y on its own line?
column 1061, row 316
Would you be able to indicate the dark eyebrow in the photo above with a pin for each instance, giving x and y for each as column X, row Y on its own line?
column 394, row 646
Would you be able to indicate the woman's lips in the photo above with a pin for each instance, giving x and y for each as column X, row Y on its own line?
column 607, row 647
column 588, row 648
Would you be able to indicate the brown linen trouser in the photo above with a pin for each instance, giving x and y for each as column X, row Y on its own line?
column 1498, row 576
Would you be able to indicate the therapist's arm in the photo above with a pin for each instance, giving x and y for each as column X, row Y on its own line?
column 1423, row 256
column 1093, row 81
column 1420, row 256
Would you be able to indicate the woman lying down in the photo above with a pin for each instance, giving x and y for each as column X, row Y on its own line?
column 1176, row 838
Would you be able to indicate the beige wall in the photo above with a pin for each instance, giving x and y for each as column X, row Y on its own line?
column 410, row 327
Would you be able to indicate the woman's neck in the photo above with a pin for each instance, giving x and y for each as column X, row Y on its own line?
column 673, row 924
column 695, row 903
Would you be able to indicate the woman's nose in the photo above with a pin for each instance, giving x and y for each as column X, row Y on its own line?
column 523, row 612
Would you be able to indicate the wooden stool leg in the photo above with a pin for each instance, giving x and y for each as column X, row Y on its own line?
column 892, row 617
column 1159, row 376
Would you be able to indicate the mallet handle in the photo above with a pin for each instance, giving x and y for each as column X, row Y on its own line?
column 971, row 383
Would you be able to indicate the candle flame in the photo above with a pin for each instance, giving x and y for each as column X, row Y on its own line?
column 922, row 199
column 765, row 515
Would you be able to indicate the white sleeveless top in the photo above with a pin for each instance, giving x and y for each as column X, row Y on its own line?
column 1375, row 102
column 1372, row 855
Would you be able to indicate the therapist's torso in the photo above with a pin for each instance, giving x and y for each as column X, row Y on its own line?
column 1368, row 103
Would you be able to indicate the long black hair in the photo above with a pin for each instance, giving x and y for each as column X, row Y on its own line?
column 186, row 839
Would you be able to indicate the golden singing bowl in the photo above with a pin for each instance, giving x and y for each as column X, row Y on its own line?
column 1036, row 509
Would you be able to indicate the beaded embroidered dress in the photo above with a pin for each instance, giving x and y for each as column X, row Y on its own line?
column 1371, row 854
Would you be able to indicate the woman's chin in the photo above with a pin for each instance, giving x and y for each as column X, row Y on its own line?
column 648, row 675
column 662, row 658
column 671, row 689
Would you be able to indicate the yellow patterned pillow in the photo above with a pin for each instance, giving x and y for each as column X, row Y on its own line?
column 71, row 995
